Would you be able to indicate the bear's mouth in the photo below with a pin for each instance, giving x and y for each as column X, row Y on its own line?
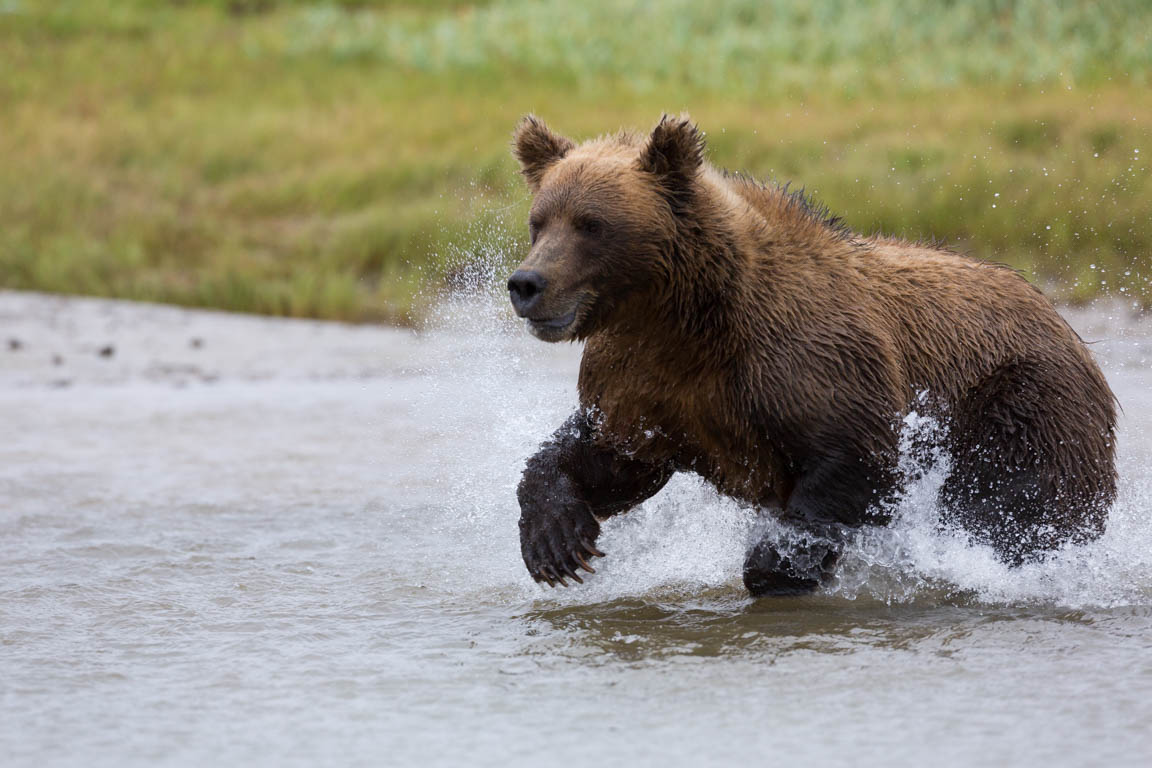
column 552, row 328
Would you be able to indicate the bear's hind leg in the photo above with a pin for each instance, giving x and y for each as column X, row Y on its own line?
column 1031, row 462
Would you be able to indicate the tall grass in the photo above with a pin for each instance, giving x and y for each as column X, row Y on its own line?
column 326, row 160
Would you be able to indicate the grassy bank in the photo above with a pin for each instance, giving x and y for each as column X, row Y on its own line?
column 328, row 160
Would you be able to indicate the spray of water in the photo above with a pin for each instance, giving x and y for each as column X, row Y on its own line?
column 498, row 393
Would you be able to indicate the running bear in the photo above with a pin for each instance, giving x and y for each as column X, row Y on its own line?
column 735, row 330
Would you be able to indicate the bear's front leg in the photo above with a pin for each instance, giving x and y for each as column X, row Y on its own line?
column 833, row 495
column 776, row 569
column 558, row 531
column 567, row 485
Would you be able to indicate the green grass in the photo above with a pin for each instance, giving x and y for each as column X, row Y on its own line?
column 330, row 160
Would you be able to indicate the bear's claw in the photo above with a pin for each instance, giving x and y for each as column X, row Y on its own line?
column 556, row 541
column 591, row 550
column 584, row 563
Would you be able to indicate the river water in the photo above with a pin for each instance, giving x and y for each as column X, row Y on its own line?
column 247, row 541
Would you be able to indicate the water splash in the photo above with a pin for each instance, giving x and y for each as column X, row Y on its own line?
column 917, row 555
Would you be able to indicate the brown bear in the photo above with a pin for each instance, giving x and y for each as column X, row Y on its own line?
column 736, row 330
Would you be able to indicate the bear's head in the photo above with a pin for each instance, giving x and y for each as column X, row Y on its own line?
column 603, row 225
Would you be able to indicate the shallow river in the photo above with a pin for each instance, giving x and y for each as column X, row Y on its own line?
column 244, row 541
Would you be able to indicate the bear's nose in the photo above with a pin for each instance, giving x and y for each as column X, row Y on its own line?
column 525, row 288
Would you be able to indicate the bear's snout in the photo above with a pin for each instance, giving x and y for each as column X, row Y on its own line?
column 525, row 288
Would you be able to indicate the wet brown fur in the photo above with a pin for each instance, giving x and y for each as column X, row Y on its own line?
column 734, row 330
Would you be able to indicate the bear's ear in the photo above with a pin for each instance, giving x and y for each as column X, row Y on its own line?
column 537, row 148
column 674, row 153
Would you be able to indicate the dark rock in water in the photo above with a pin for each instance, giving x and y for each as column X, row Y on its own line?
column 57, row 360
column 15, row 344
column 107, row 351
column 196, row 343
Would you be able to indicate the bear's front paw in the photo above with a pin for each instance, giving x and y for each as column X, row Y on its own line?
column 558, row 539
column 797, row 571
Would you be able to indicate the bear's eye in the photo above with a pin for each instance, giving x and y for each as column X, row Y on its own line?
column 533, row 231
column 591, row 227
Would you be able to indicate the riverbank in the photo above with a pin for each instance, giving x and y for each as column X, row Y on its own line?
column 335, row 160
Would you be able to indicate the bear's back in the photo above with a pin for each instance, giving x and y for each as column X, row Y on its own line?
column 957, row 318
column 950, row 319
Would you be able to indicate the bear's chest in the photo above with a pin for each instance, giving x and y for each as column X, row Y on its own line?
column 693, row 420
